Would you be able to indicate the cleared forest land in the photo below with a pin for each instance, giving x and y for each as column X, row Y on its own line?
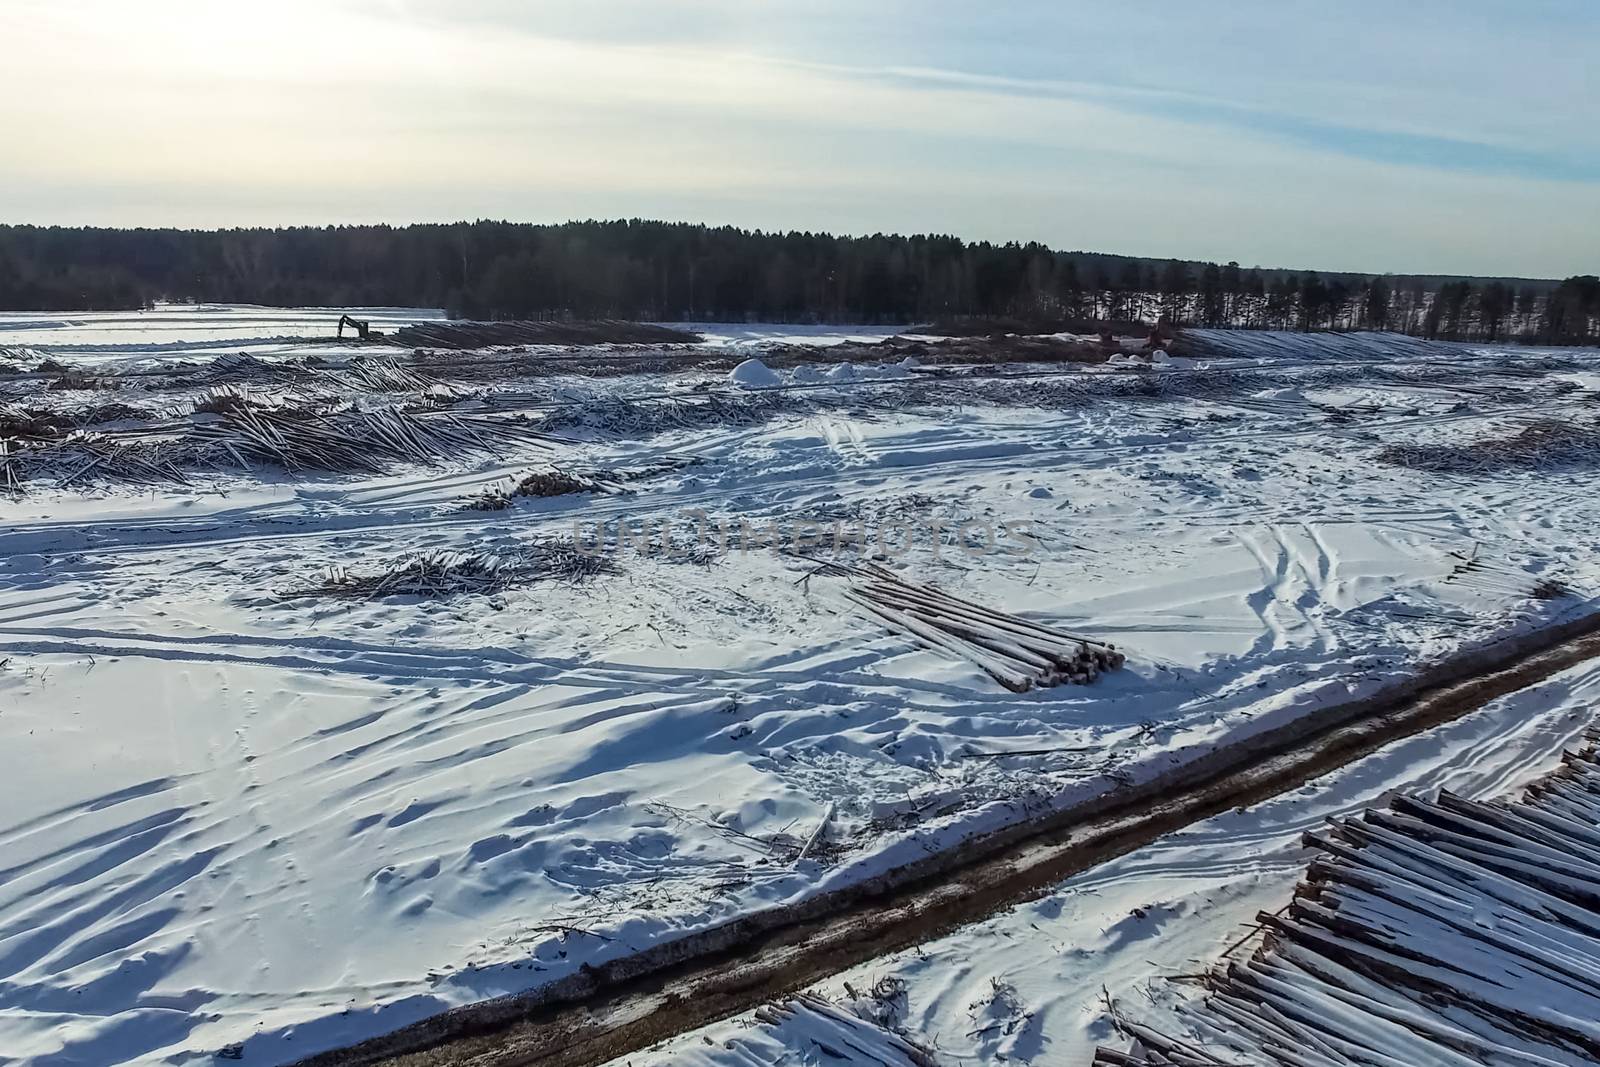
column 344, row 687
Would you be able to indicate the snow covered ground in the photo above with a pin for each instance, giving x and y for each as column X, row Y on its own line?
column 229, row 816
column 190, row 331
column 194, row 331
column 1030, row 986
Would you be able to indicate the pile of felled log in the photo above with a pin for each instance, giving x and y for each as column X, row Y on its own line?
column 382, row 376
column 1019, row 654
column 842, row 1035
column 1448, row 931
column 354, row 441
column 81, row 458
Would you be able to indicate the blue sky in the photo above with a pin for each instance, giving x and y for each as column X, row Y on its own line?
column 1434, row 136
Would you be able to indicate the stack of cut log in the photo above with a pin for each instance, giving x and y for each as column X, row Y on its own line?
column 1019, row 654
column 1445, row 931
column 382, row 376
column 807, row 1021
column 82, row 456
column 354, row 441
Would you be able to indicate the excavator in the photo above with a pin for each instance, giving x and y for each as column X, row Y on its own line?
column 361, row 327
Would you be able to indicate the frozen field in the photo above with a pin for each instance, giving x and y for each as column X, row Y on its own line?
column 189, row 331
column 233, row 815
column 199, row 331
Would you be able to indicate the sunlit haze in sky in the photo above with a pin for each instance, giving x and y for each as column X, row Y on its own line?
column 1457, row 136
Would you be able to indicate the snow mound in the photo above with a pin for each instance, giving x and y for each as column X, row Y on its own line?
column 754, row 374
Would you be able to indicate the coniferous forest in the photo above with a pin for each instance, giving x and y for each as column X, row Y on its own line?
column 678, row 272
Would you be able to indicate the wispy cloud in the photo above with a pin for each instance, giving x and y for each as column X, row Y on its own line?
column 1349, row 137
column 1576, row 162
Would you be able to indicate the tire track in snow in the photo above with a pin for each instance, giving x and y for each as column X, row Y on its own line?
column 629, row 1006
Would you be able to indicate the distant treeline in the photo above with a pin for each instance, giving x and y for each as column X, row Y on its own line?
column 676, row 272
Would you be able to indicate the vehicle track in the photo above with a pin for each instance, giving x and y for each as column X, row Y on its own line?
column 625, row 1006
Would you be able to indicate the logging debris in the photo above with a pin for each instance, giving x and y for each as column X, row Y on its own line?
column 384, row 376
column 364, row 442
column 245, row 429
column 83, row 457
column 1501, row 579
column 78, row 380
column 559, row 481
column 1545, row 444
column 445, row 574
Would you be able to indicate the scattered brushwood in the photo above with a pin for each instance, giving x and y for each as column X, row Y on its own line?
column 494, row 498
column 541, row 483
column 367, row 442
column 557, row 481
column 383, row 376
column 1019, row 654
column 465, row 335
column 10, row 476
column 82, row 457
column 242, row 366
column 40, row 424
column 841, row 1034
column 1544, row 445
column 78, row 380
column 248, row 430
column 1445, row 931
column 98, row 414
column 559, row 559
column 445, row 574
column 433, row 574
column 31, row 424
column 1495, row 578
column 618, row 416
column 226, row 399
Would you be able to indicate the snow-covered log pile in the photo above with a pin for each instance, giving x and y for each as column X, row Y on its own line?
column 1019, row 654
column 354, row 441
column 811, row 1022
column 84, row 457
column 1440, row 932
column 248, row 429
column 383, row 376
